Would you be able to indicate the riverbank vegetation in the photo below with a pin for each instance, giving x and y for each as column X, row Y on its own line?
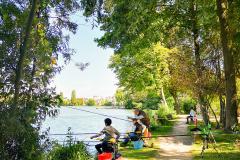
column 74, row 151
column 74, row 101
column 68, row 149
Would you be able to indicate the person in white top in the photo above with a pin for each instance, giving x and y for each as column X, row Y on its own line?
column 191, row 115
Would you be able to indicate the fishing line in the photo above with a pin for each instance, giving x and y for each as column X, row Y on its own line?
column 100, row 114
column 75, row 134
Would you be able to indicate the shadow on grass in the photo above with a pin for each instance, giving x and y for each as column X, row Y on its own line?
column 145, row 153
column 219, row 156
column 162, row 129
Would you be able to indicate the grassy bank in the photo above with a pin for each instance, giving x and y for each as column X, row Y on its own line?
column 227, row 147
column 147, row 153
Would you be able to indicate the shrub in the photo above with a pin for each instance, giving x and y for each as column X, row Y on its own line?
column 163, row 113
column 187, row 104
column 91, row 102
column 151, row 103
column 69, row 152
column 129, row 104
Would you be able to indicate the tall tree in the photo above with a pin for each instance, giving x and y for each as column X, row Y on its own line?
column 146, row 70
column 73, row 98
column 22, row 52
column 198, row 62
column 223, row 7
column 30, row 36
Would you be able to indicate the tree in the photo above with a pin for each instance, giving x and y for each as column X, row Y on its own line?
column 30, row 38
column 191, row 27
column 119, row 96
column 223, row 9
column 91, row 102
column 147, row 70
column 73, row 98
column 80, row 101
column 61, row 97
column 22, row 53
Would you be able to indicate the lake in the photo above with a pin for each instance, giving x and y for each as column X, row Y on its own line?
column 84, row 122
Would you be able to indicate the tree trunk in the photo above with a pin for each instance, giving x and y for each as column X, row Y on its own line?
column 222, row 111
column 221, row 99
column 229, row 69
column 176, row 100
column 218, row 125
column 163, row 97
column 22, row 52
column 195, row 32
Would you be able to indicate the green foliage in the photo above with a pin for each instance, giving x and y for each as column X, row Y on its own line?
column 187, row 104
column 73, row 98
column 165, row 112
column 91, row 102
column 227, row 146
column 129, row 104
column 69, row 152
column 188, row 29
column 61, row 99
column 159, row 117
column 120, row 97
column 107, row 103
column 151, row 103
column 79, row 102
column 142, row 72
column 20, row 124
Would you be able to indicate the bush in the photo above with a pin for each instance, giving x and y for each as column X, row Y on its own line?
column 107, row 103
column 91, row 102
column 129, row 104
column 187, row 104
column 163, row 113
column 69, row 152
column 151, row 103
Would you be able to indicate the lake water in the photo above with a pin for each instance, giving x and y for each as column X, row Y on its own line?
column 84, row 122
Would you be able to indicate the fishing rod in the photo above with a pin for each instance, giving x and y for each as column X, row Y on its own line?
column 75, row 134
column 100, row 114
column 155, row 136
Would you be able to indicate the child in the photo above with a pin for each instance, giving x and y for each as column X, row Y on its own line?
column 136, row 134
column 109, row 132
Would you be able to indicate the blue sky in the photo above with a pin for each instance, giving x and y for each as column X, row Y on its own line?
column 97, row 79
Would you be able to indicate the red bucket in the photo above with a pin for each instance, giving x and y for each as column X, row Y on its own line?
column 105, row 156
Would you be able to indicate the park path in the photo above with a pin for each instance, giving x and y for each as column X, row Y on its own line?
column 176, row 148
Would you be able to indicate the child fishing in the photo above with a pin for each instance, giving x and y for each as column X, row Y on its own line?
column 110, row 133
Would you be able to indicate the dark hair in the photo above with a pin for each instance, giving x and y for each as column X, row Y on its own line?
column 108, row 121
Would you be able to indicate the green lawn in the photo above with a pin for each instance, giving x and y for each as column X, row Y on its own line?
column 146, row 153
column 226, row 146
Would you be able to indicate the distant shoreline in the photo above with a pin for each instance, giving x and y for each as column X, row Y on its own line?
column 100, row 107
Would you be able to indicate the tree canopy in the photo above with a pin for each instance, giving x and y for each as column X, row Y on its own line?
column 201, row 36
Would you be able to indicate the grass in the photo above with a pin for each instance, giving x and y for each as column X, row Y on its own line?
column 147, row 153
column 227, row 147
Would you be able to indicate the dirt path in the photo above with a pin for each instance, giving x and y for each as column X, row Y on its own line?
column 176, row 148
